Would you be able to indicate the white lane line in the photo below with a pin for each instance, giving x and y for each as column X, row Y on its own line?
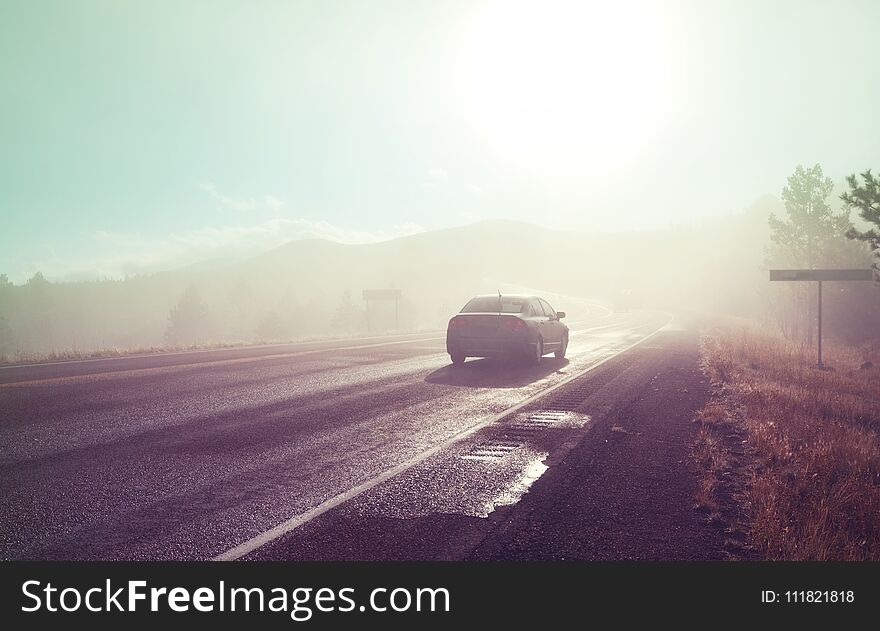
column 613, row 325
column 295, row 522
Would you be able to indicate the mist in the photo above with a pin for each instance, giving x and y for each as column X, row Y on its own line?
column 314, row 288
column 219, row 180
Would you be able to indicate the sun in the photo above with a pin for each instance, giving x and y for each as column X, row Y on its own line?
column 565, row 84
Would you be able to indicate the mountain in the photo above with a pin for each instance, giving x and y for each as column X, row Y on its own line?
column 313, row 287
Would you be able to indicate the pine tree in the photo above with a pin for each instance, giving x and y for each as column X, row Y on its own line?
column 811, row 236
column 347, row 317
column 7, row 338
column 271, row 327
column 189, row 320
column 866, row 199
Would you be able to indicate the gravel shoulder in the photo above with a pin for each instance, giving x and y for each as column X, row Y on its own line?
column 626, row 491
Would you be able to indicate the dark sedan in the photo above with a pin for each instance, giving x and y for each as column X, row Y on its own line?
column 507, row 325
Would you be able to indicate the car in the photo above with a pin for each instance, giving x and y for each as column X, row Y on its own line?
column 496, row 325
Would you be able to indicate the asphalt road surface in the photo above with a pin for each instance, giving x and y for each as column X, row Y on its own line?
column 234, row 453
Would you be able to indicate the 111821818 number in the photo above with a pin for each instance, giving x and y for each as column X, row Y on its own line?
column 820, row 596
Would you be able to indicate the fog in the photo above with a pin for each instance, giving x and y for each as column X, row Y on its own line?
column 248, row 166
column 313, row 288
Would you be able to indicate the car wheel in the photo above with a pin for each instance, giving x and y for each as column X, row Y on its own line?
column 457, row 358
column 560, row 354
column 539, row 352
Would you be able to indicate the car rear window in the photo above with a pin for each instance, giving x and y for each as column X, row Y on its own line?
column 490, row 304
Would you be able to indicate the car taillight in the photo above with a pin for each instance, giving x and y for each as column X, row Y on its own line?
column 513, row 324
column 457, row 323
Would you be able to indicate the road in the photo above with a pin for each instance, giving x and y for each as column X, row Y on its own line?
column 216, row 454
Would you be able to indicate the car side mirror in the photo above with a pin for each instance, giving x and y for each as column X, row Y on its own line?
column 560, row 315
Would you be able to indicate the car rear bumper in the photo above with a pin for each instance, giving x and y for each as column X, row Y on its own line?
column 488, row 347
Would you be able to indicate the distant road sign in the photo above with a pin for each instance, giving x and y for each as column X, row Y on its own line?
column 381, row 294
column 821, row 274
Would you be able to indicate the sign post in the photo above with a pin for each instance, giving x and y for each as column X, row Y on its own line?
column 383, row 294
column 819, row 275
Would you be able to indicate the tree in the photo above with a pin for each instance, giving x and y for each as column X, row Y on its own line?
column 241, row 296
column 7, row 337
column 38, row 326
column 189, row 320
column 811, row 235
column 866, row 199
column 37, row 280
column 290, row 313
column 6, row 289
column 271, row 327
column 347, row 317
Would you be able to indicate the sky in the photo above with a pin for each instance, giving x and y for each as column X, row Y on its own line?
column 140, row 136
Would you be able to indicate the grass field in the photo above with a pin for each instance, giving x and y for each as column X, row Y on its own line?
column 804, row 444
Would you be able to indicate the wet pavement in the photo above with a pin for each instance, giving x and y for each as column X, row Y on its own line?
column 599, row 469
column 190, row 455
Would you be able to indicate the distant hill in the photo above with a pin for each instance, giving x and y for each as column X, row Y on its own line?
column 313, row 287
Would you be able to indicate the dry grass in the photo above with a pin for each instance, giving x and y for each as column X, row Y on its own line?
column 110, row 352
column 711, row 456
column 813, row 489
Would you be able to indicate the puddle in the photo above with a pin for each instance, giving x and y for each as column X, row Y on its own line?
column 477, row 477
column 533, row 471
column 473, row 483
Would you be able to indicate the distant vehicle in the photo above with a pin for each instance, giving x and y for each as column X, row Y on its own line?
column 507, row 325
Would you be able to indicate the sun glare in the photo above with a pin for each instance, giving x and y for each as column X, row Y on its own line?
column 559, row 84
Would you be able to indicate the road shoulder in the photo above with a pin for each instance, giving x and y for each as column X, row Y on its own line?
column 626, row 491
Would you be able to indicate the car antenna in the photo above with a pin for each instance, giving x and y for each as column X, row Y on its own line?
column 499, row 301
